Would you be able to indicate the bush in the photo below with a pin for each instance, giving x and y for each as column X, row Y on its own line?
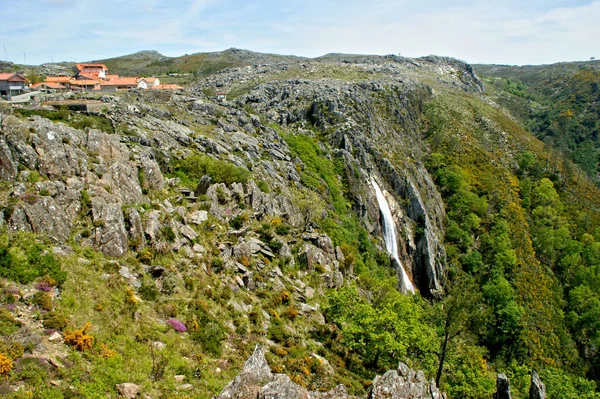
column 22, row 259
column 55, row 321
column 177, row 325
column 80, row 338
column 8, row 324
column 43, row 300
column 5, row 364
column 210, row 335
column 220, row 171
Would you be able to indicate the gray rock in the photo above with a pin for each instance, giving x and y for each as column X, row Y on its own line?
column 537, row 389
column 153, row 177
column 128, row 390
column 188, row 232
column 197, row 217
column 136, row 229
column 203, row 185
column 111, row 236
column 124, row 182
column 45, row 216
column 502, row 387
column 8, row 167
column 283, row 388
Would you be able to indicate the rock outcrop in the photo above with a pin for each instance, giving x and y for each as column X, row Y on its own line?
column 502, row 387
column 537, row 389
column 257, row 381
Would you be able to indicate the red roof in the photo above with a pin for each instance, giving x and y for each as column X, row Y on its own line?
column 81, row 67
column 12, row 77
column 83, row 82
column 50, row 85
column 58, row 79
column 121, row 82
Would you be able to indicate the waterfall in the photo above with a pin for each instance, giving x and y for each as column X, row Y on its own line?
column 389, row 231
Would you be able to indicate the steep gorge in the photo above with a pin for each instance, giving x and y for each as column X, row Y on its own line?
column 257, row 219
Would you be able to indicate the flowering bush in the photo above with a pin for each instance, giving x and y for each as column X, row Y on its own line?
column 5, row 364
column 177, row 325
column 80, row 338
column 43, row 286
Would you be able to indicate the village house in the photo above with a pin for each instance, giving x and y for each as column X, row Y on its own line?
column 147, row 83
column 12, row 84
column 48, row 87
column 119, row 84
column 95, row 77
column 95, row 70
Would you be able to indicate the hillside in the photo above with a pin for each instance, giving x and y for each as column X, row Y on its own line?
column 148, row 63
column 559, row 103
column 158, row 241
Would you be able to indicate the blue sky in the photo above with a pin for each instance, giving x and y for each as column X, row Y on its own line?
column 507, row 32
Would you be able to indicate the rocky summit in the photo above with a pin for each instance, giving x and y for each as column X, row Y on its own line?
column 341, row 227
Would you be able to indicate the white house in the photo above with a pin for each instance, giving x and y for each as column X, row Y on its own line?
column 147, row 83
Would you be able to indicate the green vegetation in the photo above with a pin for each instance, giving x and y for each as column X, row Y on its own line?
column 76, row 120
column 560, row 107
column 192, row 168
column 511, row 234
column 23, row 259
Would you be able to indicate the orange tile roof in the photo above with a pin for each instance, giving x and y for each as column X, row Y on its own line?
column 83, row 82
column 108, row 77
column 58, row 79
column 95, row 66
column 12, row 77
column 166, row 86
column 120, row 82
column 91, row 75
column 50, row 85
column 149, row 80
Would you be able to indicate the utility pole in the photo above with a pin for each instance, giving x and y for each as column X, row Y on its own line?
column 24, row 58
column 5, row 59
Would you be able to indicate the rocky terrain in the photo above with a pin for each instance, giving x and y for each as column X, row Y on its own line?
column 152, row 244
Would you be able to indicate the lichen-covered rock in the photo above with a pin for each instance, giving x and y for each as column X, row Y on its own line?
column 8, row 167
column 45, row 216
column 283, row 388
column 111, row 236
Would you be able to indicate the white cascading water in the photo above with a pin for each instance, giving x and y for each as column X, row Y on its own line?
column 389, row 231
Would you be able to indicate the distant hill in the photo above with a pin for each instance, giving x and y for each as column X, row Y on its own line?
column 153, row 63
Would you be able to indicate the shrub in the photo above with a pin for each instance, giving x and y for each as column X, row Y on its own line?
column 80, row 338
column 282, row 229
column 5, row 364
column 149, row 292
column 8, row 324
column 238, row 221
column 220, row 171
column 22, row 259
column 210, row 335
column 216, row 265
column 55, row 321
column 177, row 325
column 263, row 186
column 43, row 300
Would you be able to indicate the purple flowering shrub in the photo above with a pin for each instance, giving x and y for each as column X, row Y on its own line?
column 43, row 286
column 177, row 325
